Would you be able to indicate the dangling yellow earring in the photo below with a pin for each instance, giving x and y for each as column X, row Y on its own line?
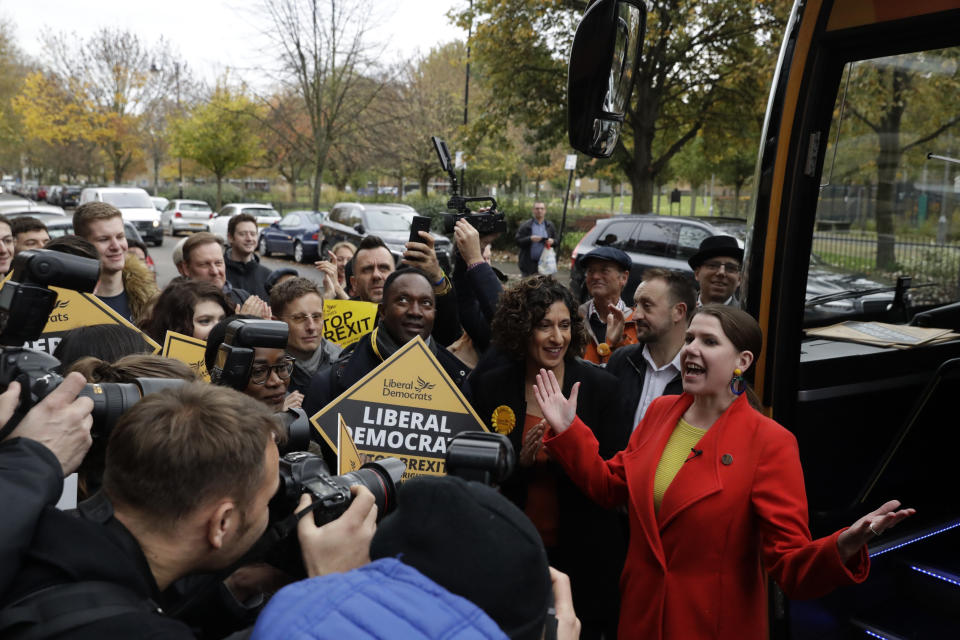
column 737, row 383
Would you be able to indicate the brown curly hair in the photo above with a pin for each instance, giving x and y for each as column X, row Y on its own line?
column 523, row 306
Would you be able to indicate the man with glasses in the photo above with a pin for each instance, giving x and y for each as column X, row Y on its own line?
column 299, row 303
column 716, row 267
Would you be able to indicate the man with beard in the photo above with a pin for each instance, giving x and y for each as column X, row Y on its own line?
column 664, row 302
column 609, row 322
column 716, row 266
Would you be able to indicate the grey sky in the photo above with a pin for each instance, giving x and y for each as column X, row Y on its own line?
column 214, row 35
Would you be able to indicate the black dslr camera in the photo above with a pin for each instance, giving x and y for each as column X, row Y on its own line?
column 25, row 305
column 303, row 472
column 487, row 223
column 235, row 356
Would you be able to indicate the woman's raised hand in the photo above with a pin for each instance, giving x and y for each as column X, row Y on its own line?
column 556, row 409
column 869, row 527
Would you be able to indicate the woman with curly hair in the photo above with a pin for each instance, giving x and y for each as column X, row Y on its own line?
column 536, row 326
column 190, row 307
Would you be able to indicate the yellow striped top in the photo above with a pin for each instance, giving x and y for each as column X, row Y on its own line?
column 684, row 438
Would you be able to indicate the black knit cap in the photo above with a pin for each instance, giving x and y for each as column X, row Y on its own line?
column 475, row 543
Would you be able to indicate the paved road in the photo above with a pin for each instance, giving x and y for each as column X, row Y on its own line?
column 166, row 271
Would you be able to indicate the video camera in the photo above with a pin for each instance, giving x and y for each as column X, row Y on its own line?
column 25, row 306
column 486, row 223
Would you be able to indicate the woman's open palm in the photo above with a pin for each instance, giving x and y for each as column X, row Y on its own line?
column 556, row 409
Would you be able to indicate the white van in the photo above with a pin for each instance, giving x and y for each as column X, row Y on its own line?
column 135, row 206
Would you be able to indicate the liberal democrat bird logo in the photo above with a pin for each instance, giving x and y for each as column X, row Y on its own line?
column 423, row 384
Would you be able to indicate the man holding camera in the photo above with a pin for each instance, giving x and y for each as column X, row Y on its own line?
column 189, row 475
column 408, row 310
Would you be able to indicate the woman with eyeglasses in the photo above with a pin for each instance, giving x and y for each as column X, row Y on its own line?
column 270, row 373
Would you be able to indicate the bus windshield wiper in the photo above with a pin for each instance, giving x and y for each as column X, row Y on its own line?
column 858, row 293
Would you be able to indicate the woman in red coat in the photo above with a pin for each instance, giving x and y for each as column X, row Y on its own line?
column 715, row 496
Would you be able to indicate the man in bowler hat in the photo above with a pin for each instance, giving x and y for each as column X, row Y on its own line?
column 716, row 267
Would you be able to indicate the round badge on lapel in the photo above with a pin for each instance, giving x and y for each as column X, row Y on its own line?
column 503, row 419
column 726, row 459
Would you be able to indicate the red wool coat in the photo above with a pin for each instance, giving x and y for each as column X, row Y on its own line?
column 733, row 514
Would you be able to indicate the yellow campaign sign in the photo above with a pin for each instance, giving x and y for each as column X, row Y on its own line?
column 74, row 309
column 406, row 408
column 188, row 350
column 348, row 458
column 346, row 321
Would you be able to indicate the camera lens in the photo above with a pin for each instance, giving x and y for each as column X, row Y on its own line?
column 381, row 478
column 110, row 400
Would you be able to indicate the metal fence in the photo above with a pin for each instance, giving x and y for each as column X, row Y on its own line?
column 926, row 261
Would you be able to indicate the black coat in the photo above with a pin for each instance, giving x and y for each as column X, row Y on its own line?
column 524, row 261
column 30, row 480
column 478, row 293
column 69, row 548
column 250, row 275
column 592, row 541
column 630, row 369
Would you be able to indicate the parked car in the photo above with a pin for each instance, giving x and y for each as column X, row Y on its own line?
column 297, row 234
column 186, row 215
column 62, row 225
column 264, row 213
column 11, row 204
column 668, row 242
column 53, row 194
column 159, row 203
column 135, row 206
column 352, row 221
column 70, row 196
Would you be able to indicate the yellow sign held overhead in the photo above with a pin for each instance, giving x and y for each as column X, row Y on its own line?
column 407, row 408
column 188, row 350
column 74, row 309
column 346, row 321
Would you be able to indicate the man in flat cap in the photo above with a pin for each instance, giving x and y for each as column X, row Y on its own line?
column 609, row 321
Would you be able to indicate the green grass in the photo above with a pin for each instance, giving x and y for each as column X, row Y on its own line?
column 602, row 204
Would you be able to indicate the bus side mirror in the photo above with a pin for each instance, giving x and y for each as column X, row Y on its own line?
column 603, row 59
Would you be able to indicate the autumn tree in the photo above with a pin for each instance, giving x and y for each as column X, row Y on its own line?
column 325, row 59
column 219, row 134
column 13, row 70
column 110, row 75
column 892, row 107
column 691, row 49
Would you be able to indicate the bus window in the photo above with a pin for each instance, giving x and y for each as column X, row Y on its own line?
column 885, row 209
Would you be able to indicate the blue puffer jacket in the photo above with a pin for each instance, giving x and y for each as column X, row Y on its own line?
column 384, row 599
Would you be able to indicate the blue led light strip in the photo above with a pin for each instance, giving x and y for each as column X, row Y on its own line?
column 917, row 539
column 875, row 635
column 946, row 577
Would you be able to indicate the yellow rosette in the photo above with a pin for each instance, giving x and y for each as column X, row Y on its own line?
column 504, row 420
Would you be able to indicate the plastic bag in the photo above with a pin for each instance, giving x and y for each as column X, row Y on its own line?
column 548, row 262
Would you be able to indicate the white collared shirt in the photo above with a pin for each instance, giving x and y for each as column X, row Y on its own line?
column 655, row 381
column 592, row 309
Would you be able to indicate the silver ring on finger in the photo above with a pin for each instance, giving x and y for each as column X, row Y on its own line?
column 874, row 531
